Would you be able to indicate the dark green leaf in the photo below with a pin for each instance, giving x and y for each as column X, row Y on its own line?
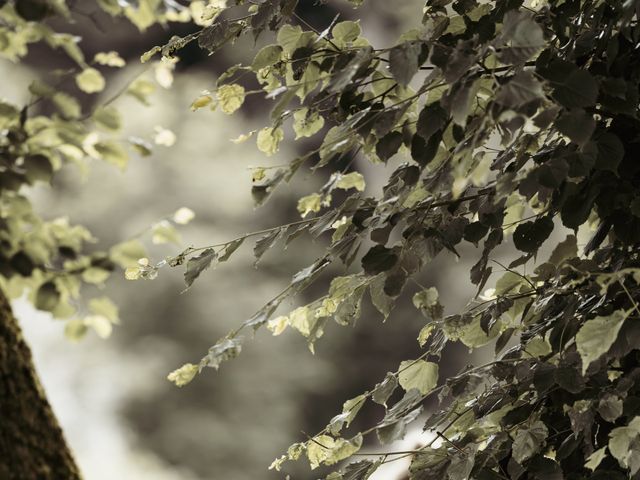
column 529, row 236
column 198, row 264
column 379, row 259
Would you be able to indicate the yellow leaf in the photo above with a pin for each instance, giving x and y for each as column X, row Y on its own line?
column 109, row 59
column 310, row 203
column 183, row 375
column 183, row 215
column 351, row 180
column 231, row 97
column 201, row 102
column 269, row 140
column 90, row 80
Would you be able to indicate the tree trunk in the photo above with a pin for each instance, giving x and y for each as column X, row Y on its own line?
column 32, row 445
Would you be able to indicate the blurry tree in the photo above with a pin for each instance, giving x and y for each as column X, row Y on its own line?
column 515, row 119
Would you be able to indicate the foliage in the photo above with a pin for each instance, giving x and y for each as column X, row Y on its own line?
column 51, row 260
column 503, row 119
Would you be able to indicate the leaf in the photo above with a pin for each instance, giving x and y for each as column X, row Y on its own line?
column 383, row 302
column 163, row 232
column 127, row 254
column 624, row 443
column 610, row 407
column 266, row 57
column 309, row 204
column 529, row 441
column 577, row 125
column 522, row 38
column 462, row 463
column 198, row 264
column 183, row 215
column 47, row 297
column 100, row 324
column 269, row 139
column 388, row 145
column 573, row 87
column 324, row 449
column 90, row 80
column 346, row 31
column 565, row 250
column 432, row 118
column 610, row 152
column 529, row 236
column 385, row 389
column 597, row 335
column 183, row 375
column 379, row 259
column 224, row 350
column 109, row 59
column 104, row 307
column 418, row 374
column 265, row 242
column 229, row 249
column 404, row 61
column 230, row 97
column 520, row 90
column 351, row 180
column 596, row 458
column 427, row 301
column 350, row 409
column 307, row 123
column 108, row 118
column 113, row 153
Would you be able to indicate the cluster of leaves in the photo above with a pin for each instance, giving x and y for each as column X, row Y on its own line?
column 63, row 124
column 505, row 121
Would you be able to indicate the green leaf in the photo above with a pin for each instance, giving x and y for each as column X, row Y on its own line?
column 595, row 459
column 529, row 441
column 47, row 297
column 379, row 259
column 266, row 57
column 404, row 61
column 574, row 87
column 529, row 236
column 385, row 389
column 521, row 38
column 198, row 264
column 577, row 125
column 520, row 90
column 597, row 335
column 350, row 409
column 346, row 31
column 324, row 449
column 624, row 443
column 108, row 118
column 418, row 374
column 427, row 301
column 265, row 242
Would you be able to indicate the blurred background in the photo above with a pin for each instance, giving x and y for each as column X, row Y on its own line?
column 122, row 417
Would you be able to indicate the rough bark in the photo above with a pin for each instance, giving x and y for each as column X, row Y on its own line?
column 32, row 445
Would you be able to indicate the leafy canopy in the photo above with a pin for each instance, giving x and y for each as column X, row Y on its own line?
column 505, row 122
